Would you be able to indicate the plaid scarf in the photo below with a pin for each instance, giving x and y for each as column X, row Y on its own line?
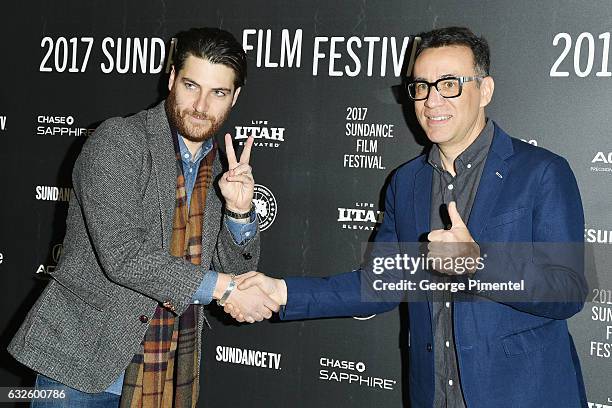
column 166, row 371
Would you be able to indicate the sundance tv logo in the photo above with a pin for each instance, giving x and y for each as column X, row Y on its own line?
column 362, row 216
column 2, row 123
column 49, row 125
column 264, row 134
column 602, row 162
column 254, row 358
column 265, row 206
column 350, row 372
column 52, row 193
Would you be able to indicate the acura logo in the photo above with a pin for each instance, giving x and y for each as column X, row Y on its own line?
column 56, row 252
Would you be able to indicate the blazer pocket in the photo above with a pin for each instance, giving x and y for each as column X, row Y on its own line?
column 85, row 292
column 529, row 340
column 506, row 218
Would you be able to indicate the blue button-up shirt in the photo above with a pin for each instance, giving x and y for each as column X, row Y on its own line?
column 241, row 233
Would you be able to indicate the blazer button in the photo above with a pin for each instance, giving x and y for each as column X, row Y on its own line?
column 429, row 348
column 247, row 256
column 143, row 318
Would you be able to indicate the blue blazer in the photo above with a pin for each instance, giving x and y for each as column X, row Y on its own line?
column 510, row 354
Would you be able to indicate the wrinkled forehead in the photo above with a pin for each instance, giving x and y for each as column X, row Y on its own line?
column 204, row 72
column 434, row 63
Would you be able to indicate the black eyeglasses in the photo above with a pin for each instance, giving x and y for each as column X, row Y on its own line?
column 448, row 87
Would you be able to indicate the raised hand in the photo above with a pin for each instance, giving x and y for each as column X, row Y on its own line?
column 276, row 289
column 237, row 183
column 456, row 242
column 253, row 303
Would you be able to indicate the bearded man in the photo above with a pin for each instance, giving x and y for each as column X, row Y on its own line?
column 149, row 240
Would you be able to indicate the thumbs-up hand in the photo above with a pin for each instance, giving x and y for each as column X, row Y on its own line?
column 454, row 243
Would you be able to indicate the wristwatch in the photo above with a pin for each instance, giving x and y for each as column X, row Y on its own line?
column 239, row 216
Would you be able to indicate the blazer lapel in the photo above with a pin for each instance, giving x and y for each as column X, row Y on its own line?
column 164, row 167
column 422, row 208
column 422, row 198
column 494, row 174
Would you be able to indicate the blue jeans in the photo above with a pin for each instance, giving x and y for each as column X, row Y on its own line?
column 74, row 398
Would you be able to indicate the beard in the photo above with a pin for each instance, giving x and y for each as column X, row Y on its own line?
column 189, row 130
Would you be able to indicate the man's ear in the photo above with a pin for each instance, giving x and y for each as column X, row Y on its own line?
column 487, row 86
column 171, row 79
column 236, row 93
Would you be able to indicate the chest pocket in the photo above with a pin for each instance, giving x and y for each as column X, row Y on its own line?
column 506, row 218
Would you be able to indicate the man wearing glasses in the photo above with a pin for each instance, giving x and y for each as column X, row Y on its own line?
column 476, row 186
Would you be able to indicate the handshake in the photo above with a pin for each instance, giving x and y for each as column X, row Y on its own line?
column 254, row 298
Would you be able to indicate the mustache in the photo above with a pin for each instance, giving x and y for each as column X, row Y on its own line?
column 199, row 115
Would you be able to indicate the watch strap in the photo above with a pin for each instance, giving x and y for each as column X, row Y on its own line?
column 240, row 216
column 230, row 288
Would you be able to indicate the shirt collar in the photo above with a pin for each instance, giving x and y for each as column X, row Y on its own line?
column 472, row 156
column 203, row 151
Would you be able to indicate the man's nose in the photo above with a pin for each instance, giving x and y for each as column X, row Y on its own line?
column 201, row 103
column 434, row 98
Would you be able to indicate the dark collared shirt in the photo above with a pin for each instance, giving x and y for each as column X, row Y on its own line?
column 462, row 189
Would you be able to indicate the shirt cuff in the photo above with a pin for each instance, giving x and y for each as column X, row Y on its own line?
column 242, row 233
column 204, row 293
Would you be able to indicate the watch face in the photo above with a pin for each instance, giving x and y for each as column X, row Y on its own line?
column 265, row 206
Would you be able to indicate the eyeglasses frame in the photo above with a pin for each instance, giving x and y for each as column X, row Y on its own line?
column 462, row 80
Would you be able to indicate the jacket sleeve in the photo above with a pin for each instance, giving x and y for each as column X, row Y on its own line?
column 230, row 257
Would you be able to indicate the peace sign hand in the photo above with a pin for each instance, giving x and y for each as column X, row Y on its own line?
column 237, row 183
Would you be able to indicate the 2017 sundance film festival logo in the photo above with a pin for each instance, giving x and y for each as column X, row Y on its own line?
column 375, row 55
column 119, row 55
column 601, row 312
column 56, row 254
column 265, row 206
column 366, row 139
column 331, row 56
column 351, row 372
column 264, row 134
column 600, row 344
column 53, row 193
column 361, row 216
column 254, row 358
column 57, row 125
column 602, row 162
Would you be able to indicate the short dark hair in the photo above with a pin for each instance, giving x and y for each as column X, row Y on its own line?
column 212, row 44
column 449, row 36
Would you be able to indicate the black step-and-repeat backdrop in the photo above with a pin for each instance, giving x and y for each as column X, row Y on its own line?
column 322, row 102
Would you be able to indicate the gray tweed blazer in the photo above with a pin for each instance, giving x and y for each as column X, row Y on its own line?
column 116, row 266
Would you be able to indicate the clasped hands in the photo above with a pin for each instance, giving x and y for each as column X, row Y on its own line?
column 255, row 297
